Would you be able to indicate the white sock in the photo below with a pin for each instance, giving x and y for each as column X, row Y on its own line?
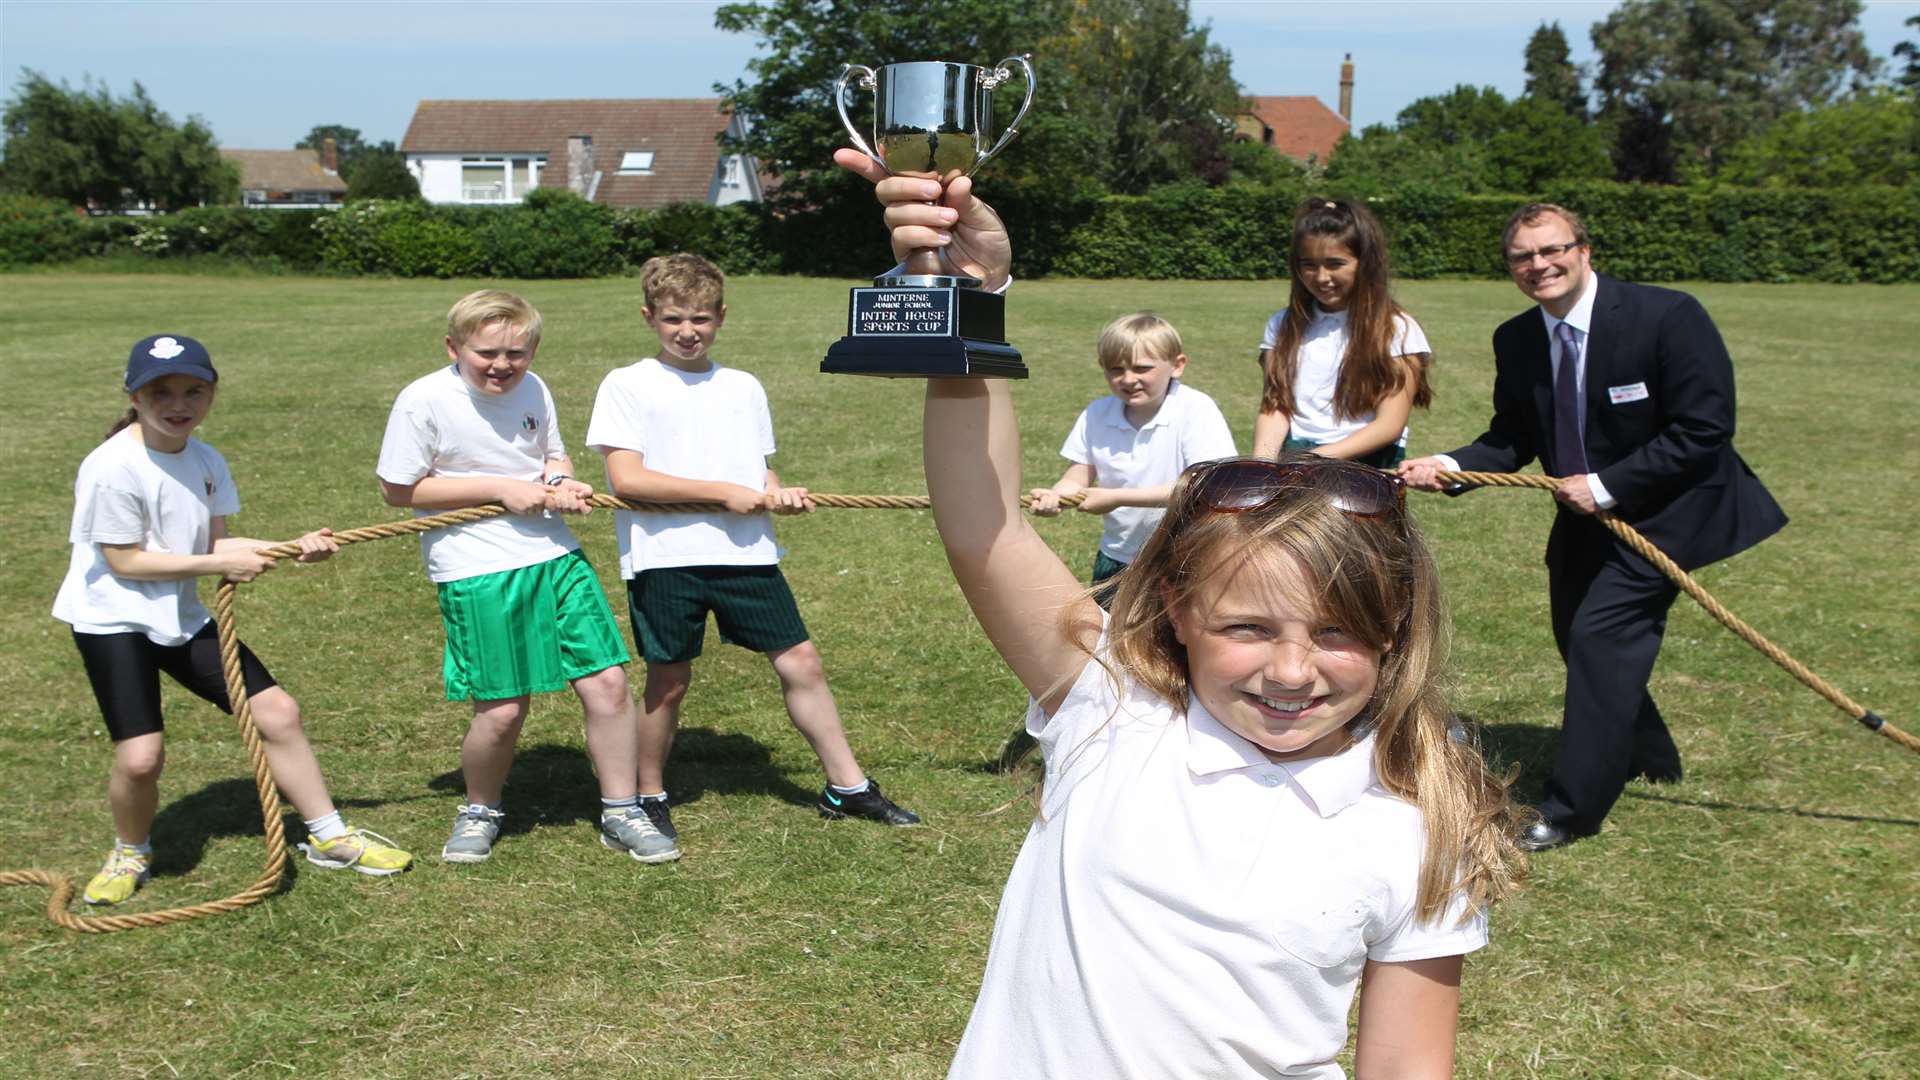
column 330, row 827
column 144, row 847
column 864, row 784
column 616, row 807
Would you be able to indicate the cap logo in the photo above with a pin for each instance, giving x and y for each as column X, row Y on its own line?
column 166, row 349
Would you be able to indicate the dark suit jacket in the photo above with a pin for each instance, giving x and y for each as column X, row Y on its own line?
column 1666, row 456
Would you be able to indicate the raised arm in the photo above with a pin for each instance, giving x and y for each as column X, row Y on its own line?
column 1018, row 588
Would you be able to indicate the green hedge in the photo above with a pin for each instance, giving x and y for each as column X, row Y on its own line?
column 1179, row 231
column 34, row 230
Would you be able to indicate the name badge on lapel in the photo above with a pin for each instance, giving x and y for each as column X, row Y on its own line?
column 1620, row 395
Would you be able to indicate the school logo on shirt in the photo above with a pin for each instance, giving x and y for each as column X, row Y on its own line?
column 529, row 422
column 208, row 481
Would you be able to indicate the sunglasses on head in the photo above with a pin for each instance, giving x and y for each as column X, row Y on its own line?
column 1237, row 485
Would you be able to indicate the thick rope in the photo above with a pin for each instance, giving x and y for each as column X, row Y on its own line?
column 62, row 885
column 1632, row 538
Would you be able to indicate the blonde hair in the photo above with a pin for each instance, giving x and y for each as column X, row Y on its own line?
column 476, row 309
column 1124, row 337
column 1375, row 578
column 682, row 278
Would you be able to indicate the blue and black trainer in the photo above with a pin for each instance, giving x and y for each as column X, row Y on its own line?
column 869, row 804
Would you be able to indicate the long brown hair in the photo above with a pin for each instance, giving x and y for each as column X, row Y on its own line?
column 127, row 420
column 1375, row 578
column 1369, row 371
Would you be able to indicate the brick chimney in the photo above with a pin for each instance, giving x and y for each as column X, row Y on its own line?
column 579, row 163
column 1346, row 90
column 330, row 156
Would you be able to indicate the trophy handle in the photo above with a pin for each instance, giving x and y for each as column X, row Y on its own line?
column 867, row 79
column 999, row 75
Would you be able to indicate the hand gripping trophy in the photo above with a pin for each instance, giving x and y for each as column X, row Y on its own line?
column 930, row 119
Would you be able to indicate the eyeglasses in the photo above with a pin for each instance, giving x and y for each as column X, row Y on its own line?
column 1518, row 259
column 1237, row 485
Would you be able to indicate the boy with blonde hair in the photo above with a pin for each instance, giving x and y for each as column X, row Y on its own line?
column 523, row 611
column 677, row 427
column 1128, row 448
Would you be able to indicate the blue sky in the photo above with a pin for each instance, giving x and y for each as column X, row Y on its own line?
column 263, row 75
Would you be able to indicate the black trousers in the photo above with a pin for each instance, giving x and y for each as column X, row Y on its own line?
column 1609, row 615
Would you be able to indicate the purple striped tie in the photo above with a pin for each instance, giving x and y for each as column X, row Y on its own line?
column 1569, row 452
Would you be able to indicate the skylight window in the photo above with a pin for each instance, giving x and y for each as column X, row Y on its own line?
column 636, row 163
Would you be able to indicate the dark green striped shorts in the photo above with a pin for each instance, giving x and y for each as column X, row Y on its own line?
column 752, row 605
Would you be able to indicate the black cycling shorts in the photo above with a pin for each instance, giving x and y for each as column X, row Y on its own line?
column 125, row 672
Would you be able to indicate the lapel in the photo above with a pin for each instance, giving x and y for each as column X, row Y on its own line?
column 1602, row 338
column 1535, row 331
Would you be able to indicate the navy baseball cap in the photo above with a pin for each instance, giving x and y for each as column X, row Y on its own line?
column 168, row 354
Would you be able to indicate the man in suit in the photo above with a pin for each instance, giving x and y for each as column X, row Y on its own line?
column 1625, row 391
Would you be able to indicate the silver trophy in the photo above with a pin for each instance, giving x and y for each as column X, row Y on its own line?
column 931, row 119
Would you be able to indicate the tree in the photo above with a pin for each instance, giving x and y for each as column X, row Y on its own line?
column 1682, row 81
column 1130, row 92
column 1869, row 138
column 382, row 173
column 1472, row 139
column 1909, row 77
column 371, row 170
column 1552, row 76
column 92, row 149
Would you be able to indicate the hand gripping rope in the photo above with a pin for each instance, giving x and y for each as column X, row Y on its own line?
column 62, row 885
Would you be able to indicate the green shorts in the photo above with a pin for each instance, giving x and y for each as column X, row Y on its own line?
column 1384, row 458
column 752, row 605
column 1105, row 569
column 527, row 631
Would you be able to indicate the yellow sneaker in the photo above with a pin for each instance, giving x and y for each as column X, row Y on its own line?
column 359, row 850
column 126, row 871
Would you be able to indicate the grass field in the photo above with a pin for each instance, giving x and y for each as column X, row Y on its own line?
column 1758, row 920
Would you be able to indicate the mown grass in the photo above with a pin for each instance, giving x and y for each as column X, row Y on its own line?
column 1757, row 920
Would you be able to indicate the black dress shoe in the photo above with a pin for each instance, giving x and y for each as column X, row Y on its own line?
column 1544, row 836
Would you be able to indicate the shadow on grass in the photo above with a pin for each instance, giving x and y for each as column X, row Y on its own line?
column 1794, row 811
column 551, row 784
column 731, row 764
column 1526, row 745
column 185, row 826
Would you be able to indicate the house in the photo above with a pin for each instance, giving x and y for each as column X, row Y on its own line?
column 281, row 179
column 639, row 152
column 1300, row 127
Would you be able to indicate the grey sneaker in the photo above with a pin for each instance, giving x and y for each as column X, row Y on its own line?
column 474, row 830
column 635, row 833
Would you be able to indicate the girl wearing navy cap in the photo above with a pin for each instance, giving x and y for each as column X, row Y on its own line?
column 150, row 510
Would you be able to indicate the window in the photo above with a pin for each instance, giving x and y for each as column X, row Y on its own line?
column 483, row 181
column 636, row 163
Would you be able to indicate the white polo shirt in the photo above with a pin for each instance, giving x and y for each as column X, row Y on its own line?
column 1185, row 907
column 1322, row 347
column 1188, row 429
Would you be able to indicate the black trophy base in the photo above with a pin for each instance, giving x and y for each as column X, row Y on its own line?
column 924, row 358
column 913, row 327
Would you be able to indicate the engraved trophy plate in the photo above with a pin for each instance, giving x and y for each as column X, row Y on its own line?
column 932, row 119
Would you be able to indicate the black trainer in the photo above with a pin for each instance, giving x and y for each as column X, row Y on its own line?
column 661, row 817
column 869, row 804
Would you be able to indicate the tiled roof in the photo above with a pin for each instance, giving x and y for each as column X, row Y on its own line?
column 679, row 131
column 283, row 170
column 1302, row 126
